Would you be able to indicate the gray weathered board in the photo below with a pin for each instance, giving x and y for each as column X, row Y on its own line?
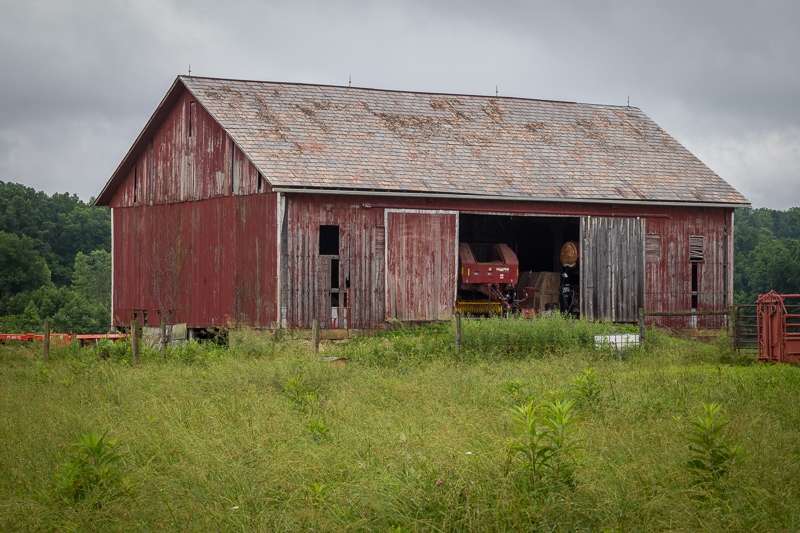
column 612, row 268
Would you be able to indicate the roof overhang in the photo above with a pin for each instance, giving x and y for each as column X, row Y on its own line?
column 449, row 196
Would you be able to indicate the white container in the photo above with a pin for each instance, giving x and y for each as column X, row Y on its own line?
column 620, row 341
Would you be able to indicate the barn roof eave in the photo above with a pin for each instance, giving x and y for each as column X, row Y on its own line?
column 548, row 199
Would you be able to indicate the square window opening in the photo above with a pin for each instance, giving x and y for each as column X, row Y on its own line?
column 329, row 240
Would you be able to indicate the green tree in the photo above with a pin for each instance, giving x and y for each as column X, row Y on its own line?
column 91, row 277
column 29, row 320
column 775, row 265
column 60, row 225
column 80, row 316
column 766, row 253
column 49, row 299
column 21, row 267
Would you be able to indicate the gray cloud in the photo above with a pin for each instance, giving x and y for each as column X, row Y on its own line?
column 81, row 77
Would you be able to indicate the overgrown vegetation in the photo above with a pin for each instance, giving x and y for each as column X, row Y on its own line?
column 536, row 432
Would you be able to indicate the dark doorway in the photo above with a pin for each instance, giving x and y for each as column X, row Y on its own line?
column 536, row 240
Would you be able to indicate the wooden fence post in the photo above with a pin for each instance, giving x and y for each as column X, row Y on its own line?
column 458, row 332
column 316, row 334
column 641, row 327
column 46, row 340
column 134, row 342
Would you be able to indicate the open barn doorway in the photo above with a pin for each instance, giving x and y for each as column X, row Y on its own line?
column 543, row 282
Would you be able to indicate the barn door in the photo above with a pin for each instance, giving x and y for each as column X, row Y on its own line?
column 612, row 268
column 421, row 264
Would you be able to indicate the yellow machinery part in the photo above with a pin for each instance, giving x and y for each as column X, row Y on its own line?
column 478, row 308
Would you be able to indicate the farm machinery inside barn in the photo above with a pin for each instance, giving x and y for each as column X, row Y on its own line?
column 490, row 282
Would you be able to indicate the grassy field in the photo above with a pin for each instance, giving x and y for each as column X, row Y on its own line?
column 526, row 428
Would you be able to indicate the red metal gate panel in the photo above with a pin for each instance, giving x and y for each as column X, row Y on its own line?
column 778, row 327
column 421, row 264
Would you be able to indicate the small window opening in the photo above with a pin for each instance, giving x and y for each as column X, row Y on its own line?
column 329, row 240
column 694, row 286
column 334, row 283
column 144, row 317
column 260, row 182
column 334, row 273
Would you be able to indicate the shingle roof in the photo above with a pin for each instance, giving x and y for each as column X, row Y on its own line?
column 350, row 138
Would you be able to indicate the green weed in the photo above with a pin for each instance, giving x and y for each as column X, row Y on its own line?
column 585, row 389
column 43, row 373
column 530, row 440
column 92, row 470
column 317, row 429
column 301, row 395
column 514, row 389
column 544, row 439
column 712, row 454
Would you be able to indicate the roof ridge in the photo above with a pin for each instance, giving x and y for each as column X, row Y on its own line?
column 405, row 91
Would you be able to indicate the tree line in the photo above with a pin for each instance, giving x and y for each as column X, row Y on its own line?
column 55, row 260
column 766, row 253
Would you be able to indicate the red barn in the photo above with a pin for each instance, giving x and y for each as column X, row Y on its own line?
column 273, row 204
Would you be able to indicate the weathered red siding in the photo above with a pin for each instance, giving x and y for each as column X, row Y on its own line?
column 195, row 229
column 190, row 157
column 421, row 264
column 307, row 283
column 669, row 270
column 212, row 262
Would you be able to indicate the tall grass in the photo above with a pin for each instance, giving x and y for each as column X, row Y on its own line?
column 409, row 435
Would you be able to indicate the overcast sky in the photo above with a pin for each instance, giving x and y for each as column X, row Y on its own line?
column 80, row 78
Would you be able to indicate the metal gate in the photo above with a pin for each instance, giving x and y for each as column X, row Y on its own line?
column 778, row 327
column 745, row 335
